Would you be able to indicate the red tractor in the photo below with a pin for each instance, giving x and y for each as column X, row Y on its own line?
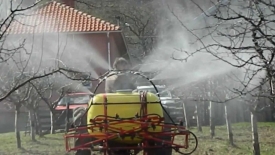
column 75, row 100
column 68, row 104
column 127, row 123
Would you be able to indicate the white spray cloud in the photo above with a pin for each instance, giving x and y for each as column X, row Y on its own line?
column 199, row 66
column 44, row 51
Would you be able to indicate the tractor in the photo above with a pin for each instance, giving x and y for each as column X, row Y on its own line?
column 127, row 123
column 68, row 104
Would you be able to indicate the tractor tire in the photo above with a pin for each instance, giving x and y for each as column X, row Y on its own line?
column 163, row 151
column 83, row 152
column 117, row 152
column 77, row 116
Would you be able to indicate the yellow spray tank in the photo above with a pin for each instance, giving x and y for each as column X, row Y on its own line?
column 125, row 105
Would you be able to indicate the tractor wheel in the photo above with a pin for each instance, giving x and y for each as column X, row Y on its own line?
column 163, row 151
column 83, row 152
column 122, row 152
column 166, row 151
column 77, row 116
column 117, row 152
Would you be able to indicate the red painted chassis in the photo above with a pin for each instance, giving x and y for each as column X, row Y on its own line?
column 108, row 132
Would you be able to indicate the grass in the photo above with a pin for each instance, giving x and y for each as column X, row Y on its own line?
column 242, row 139
column 54, row 144
column 47, row 145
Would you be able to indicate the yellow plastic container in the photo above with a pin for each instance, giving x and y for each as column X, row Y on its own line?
column 120, row 103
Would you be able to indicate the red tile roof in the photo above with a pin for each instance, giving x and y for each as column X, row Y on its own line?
column 57, row 17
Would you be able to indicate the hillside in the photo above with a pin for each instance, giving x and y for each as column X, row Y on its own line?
column 54, row 144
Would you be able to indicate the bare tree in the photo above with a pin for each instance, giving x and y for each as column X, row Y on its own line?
column 11, row 52
column 50, row 87
column 16, row 100
column 215, row 91
column 140, row 24
column 243, row 32
column 138, row 19
column 38, row 87
column 16, row 87
column 21, row 89
column 31, row 104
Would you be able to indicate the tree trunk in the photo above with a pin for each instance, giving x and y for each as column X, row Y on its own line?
column 241, row 113
column 185, row 115
column 67, row 118
column 37, row 124
column 32, row 123
column 52, row 122
column 212, row 123
column 255, row 136
column 228, row 125
column 206, row 113
column 198, row 109
column 16, row 130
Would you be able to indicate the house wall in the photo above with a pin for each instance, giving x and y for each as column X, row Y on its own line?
column 98, row 42
column 115, row 50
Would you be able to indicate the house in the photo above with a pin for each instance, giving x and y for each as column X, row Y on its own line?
column 53, row 18
column 83, row 33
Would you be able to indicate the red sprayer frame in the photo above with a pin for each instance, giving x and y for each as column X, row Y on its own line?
column 108, row 132
column 104, row 136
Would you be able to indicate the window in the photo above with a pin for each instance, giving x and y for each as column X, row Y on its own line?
column 75, row 99
column 162, row 92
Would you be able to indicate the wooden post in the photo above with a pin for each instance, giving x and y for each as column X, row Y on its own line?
column 53, row 124
column 212, row 124
column 255, row 135
column 32, row 125
column 67, row 117
column 206, row 113
column 16, row 130
column 185, row 115
column 211, row 112
column 228, row 125
column 198, row 117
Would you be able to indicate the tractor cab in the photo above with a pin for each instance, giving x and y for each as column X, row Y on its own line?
column 163, row 92
column 74, row 100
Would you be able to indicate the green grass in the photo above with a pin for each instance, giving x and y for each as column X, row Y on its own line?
column 47, row 145
column 54, row 144
column 242, row 139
